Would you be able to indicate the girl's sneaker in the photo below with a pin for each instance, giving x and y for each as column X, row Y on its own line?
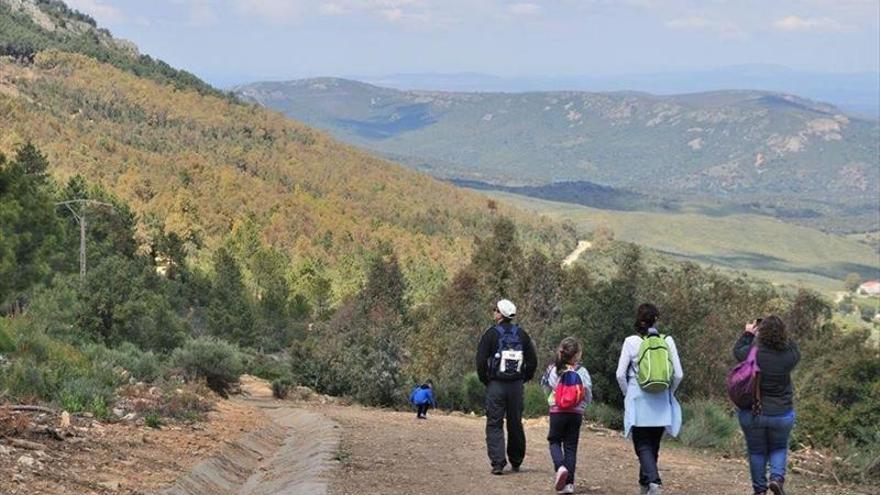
column 561, row 478
column 569, row 488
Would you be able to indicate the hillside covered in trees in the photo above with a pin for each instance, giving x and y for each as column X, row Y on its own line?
column 198, row 166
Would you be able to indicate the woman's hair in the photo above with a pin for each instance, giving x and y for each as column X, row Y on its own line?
column 646, row 317
column 568, row 349
column 771, row 333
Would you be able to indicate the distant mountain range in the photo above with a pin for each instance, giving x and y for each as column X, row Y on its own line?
column 856, row 93
column 773, row 151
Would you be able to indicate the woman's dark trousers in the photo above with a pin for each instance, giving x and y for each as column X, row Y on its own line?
column 646, row 440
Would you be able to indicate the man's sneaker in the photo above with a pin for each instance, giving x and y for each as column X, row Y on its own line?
column 569, row 488
column 514, row 468
column 654, row 489
column 561, row 478
column 497, row 470
column 776, row 487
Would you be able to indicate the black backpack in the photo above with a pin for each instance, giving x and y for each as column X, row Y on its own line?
column 507, row 362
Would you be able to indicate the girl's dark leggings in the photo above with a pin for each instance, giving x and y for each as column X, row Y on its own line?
column 565, row 432
column 423, row 409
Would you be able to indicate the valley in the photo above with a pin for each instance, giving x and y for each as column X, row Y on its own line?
column 761, row 246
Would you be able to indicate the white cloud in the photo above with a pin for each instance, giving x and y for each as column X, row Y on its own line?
column 692, row 22
column 98, row 9
column 334, row 9
column 524, row 9
column 795, row 23
column 393, row 15
column 723, row 29
column 276, row 11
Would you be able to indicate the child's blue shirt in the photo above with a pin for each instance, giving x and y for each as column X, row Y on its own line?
column 420, row 396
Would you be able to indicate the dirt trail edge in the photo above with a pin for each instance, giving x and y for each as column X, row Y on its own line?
column 290, row 456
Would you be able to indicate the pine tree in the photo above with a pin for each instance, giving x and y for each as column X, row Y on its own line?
column 498, row 258
column 230, row 313
column 30, row 231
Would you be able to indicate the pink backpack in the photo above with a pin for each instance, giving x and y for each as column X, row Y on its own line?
column 744, row 383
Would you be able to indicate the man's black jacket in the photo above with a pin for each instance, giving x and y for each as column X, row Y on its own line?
column 489, row 345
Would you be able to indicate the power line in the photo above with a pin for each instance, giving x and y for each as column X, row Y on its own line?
column 80, row 217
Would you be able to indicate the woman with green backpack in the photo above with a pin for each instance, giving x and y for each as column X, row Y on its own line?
column 648, row 373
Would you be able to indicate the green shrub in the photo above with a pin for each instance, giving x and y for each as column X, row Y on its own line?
column 268, row 367
column 708, row 424
column 6, row 342
column 474, row 393
column 143, row 366
column 26, row 381
column 604, row 415
column 281, row 387
column 153, row 420
column 87, row 393
column 534, row 401
column 448, row 394
column 218, row 362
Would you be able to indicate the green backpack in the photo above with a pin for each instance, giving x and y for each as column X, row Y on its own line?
column 655, row 365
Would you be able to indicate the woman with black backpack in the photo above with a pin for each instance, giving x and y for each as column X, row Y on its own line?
column 767, row 424
column 648, row 372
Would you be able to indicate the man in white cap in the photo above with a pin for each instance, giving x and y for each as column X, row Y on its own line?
column 506, row 359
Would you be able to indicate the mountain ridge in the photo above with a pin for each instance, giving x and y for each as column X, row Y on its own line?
column 743, row 145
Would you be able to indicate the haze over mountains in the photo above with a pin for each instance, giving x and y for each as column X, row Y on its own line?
column 794, row 157
column 854, row 93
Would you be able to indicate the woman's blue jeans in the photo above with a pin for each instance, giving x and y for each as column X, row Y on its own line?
column 767, row 441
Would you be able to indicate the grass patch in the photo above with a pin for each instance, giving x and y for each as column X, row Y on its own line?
column 708, row 424
column 604, row 415
column 153, row 420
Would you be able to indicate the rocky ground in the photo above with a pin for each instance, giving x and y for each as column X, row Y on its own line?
column 91, row 457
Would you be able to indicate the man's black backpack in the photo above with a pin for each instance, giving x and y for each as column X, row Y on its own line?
column 507, row 362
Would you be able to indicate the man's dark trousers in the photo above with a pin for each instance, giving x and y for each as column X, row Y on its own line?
column 504, row 399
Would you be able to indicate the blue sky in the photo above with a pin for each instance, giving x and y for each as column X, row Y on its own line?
column 227, row 41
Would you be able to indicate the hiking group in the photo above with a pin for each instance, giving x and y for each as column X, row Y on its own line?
column 649, row 373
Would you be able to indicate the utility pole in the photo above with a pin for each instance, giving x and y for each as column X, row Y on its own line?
column 80, row 217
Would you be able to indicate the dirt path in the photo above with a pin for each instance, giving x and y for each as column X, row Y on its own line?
column 581, row 247
column 393, row 453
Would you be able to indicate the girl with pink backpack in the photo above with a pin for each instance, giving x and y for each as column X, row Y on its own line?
column 569, row 387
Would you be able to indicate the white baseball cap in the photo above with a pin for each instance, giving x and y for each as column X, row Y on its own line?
column 506, row 308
